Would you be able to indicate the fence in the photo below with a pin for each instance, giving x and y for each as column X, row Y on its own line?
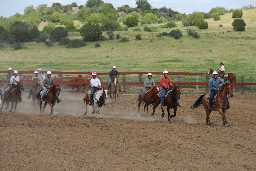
column 131, row 80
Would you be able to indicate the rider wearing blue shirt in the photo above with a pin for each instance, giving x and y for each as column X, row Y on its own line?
column 214, row 84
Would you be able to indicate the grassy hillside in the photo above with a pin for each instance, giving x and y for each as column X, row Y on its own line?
column 236, row 50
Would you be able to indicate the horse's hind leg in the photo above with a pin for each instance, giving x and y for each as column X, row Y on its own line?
column 163, row 113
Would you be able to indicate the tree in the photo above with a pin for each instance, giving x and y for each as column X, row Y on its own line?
column 58, row 34
column 3, row 34
column 217, row 11
column 131, row 20
column 143, row 5
column 20, row 31
column 91, row 32
column 237, row 14
column 150, row 18
column 93, row 3
column 239, row 24
column 57, row 7
column 195, row 19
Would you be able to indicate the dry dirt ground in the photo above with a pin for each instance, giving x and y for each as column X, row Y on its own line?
column 120, row 138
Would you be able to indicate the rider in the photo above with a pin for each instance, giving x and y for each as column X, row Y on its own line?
column 95, row 85
column 221, row 70
column 9, row 75
column 214, row 83
column 112, row 74
column 165, row 85
column 149, row 82
column 14, row 81
column 41, row 76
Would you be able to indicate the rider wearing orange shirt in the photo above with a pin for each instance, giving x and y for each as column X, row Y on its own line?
column 165, row 85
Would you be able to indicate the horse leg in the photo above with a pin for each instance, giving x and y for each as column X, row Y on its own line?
column 45, row 103
column 175, row 112
column 51, row 106
column 139, row 103
column 168, row 111
column 163, row 113
column 224, row 119
column 154, row 108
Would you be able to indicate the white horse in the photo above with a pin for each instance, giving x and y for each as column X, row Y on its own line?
column 98, row 101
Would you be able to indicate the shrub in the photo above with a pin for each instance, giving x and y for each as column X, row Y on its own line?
column 149, row 18
column 75, row 43
column 97, row 45
column 193, row 33
column 3, row 34
column 131, row 20
column 20, row 31
column 64, row 42
column 124, row 39
column 42, row 37
column 176, row 34
column 237, row 14
column 203, row 25
column 17, row 46
column 138, row 37
column 216, row 17
column 239, row 24
column 34, row 33
column 111, row 35
column 58, row 34
column 136, row 29
column 48, row 43
column 118, row 36
column 171, row 24
column 149, row 29
column 91, row 32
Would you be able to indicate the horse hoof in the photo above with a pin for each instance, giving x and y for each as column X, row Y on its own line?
column 227, row 124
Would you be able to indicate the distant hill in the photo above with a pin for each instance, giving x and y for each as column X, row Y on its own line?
column 249, row 15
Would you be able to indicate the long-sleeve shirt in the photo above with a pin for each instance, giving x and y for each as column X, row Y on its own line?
column 95, row 82
column 215, row 83
column 165, row 83
column 148, row 83
column 113, row 73
column 48, row 82
column 14, row 80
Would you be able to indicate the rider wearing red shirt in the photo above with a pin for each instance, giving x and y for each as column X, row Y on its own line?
column 165, row 85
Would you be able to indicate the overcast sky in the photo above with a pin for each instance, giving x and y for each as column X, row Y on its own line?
column 10, row 7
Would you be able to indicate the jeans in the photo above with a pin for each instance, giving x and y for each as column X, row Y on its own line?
column 162, row 94
column 93, row 91
column 211, row 98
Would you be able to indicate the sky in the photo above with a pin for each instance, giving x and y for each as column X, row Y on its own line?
column 11, row 7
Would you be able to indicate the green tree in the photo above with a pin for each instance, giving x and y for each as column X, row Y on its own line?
column 239, row 24
column 58, row 34
column 237, row 14
column 150, row 18
column 93, row 3
column 143, row 5
column 20, row 31
column 131, row 20
column 91, row 32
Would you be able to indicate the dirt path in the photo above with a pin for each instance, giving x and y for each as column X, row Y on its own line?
column 132, row 141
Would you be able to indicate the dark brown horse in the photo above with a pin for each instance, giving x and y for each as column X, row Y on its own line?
column 171, row 100
column 221, row 103
column 13, row 96
column 50, row 99
column 147, row 98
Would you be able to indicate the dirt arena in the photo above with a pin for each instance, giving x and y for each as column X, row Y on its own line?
column 120, row 138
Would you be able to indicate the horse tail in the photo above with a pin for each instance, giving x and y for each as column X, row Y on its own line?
column 198, row 102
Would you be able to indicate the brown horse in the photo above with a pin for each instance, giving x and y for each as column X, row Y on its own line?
column 13, row 96
column 171, row 100
column 114, row 88
column 221, row 103
column 51, row 98
column 147, row 98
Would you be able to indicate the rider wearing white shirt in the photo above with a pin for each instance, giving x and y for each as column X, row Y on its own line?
column 95, row 84
column 15, row 79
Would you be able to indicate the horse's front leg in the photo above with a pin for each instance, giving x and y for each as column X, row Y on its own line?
column 154, row 108
column 163, row 113
column 175, row 112
column 224, row 119
column 51, row 106
column 45, row 104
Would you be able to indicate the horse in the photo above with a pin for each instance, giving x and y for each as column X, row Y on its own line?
column 36, row 88
column 148, row 97
column 51, row 98
column 171, row 100
column 221, row 103
column 98, row 101
column 13, row 96
column 114, row 87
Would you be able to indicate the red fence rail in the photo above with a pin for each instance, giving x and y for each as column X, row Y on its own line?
column 127, row 79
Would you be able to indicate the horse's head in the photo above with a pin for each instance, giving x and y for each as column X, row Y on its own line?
column 228, row 89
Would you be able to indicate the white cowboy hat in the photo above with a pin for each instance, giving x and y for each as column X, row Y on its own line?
column 9, row 69
column 94, row 73
column 165, row 72
column 114, row 67
column 35, row 72
column 15, row 72
column 49, row 72
column 149, row 74
column 215, row 73
column 222, row 68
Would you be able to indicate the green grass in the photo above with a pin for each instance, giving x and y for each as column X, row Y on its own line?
column 236, row 50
